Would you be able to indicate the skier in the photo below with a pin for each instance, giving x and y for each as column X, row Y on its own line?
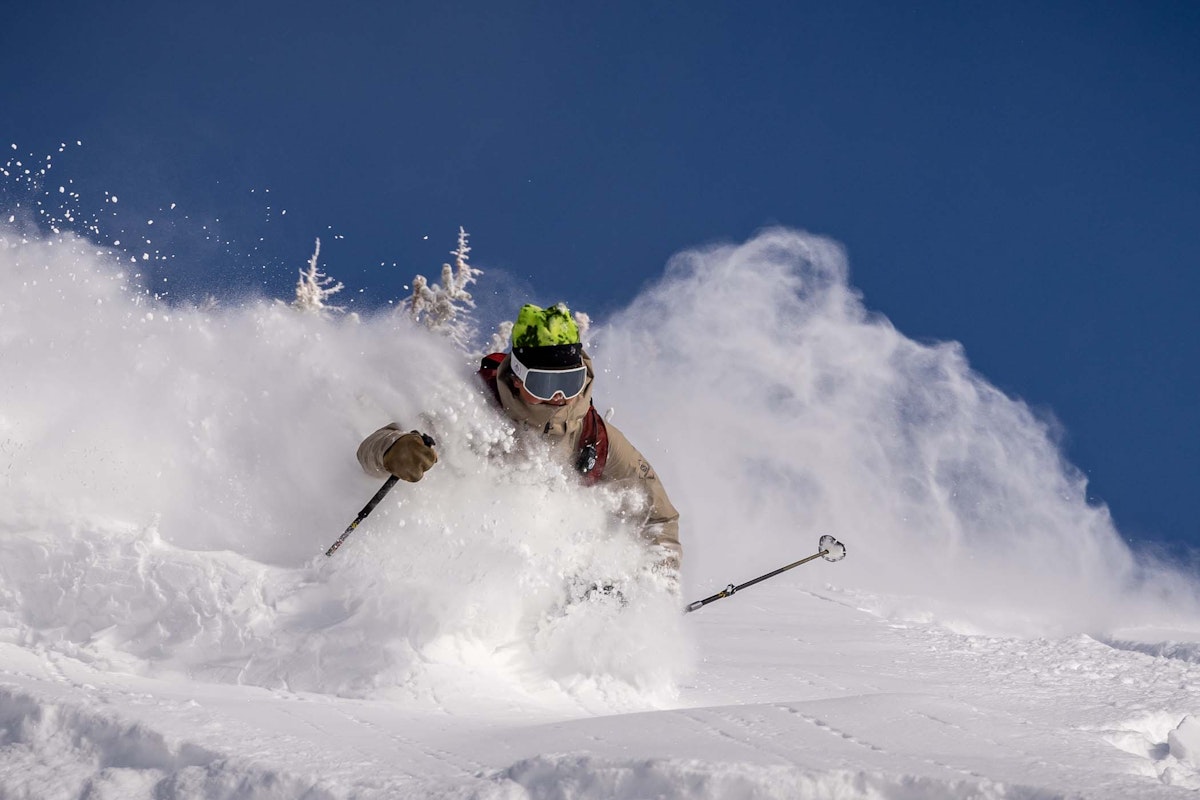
column 544, row 385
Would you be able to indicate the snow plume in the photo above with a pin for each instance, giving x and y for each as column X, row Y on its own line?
column 172, row 476
column 777, row 408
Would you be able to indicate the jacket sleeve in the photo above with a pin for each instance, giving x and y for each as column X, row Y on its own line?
column 370, row 452
column 661, row 528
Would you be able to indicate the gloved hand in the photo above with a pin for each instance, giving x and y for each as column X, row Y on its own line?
column 410, row 457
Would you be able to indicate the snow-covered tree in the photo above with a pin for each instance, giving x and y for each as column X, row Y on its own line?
column 446, row 307
column 315, row 287
column 584, row 323
column 501, row 338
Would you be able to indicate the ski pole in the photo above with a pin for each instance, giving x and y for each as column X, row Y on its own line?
column 830, row 549
column 370, row 506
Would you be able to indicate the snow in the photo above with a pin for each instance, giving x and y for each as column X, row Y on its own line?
column 799, row 695
column 169, row 627
column 1184, row 742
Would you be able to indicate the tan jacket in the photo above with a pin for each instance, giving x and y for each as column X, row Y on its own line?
column 562, row 426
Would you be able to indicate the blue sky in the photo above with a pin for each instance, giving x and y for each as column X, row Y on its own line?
column 1021, row 177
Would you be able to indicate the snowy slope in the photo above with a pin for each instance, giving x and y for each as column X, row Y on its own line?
column 799, row 695
column 170, row 629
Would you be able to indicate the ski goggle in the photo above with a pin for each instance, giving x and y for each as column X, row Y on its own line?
column 544, row 384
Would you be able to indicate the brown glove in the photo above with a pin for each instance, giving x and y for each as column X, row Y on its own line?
column 409, row 457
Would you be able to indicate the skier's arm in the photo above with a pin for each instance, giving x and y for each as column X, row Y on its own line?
column 661, row 528
column 408, row 459
column 370, row 452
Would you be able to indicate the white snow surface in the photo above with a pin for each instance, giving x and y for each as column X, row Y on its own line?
column 171, row 475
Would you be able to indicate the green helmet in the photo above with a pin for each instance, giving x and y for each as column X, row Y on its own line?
column 547, row 338
column 540, row 327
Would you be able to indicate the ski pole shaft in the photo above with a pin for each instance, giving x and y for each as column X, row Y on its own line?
column 366, row 510
column 831, row 549
column 730, row 589
column 370, row 506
